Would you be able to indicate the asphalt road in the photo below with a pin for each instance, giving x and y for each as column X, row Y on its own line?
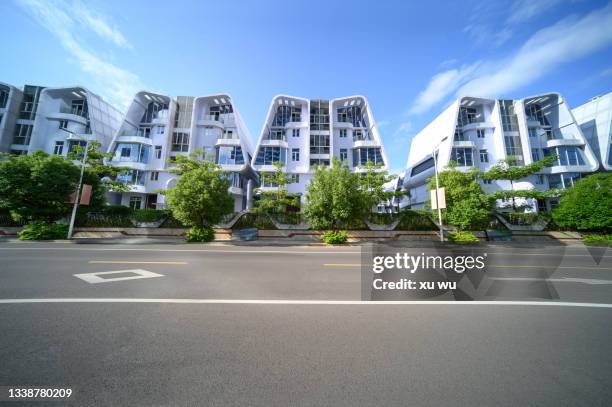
column 247, row 325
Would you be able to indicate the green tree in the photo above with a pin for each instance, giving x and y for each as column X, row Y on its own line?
column 276, row 201
column 371, row 184
column 587, row 205
column 333, row 197
column 36, row 187
column 200, row 198
column 509, row 170
column 467, row 206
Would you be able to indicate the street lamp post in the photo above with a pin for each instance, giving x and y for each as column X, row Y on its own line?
column 437, row 192
column 77, row 194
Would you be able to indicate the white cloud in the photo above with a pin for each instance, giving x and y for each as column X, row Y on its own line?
column 115, row 84
column 567, row 40
column 523, row 10
column 440, row 86
column 98, row 24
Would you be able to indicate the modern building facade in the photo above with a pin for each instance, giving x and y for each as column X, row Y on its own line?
column 303, row 133
column 595, row 121
column 157, row 128
column 478, row 132
column 54, row 120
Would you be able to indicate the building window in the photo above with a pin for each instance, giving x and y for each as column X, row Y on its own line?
column 514, row 148
column 535, row 154
column 154, row 175
column 319, row 144
column 126, row 152
column 161, row 129
column 269, row 155
column 22, row 134
column 228, row 134
column 487, row 181
column 533, row 132
column 424, row 166
column 294, row 178
column 144, row 132
column 63, row 124
column 59, row 148
column 158, row 152
column 230, row 155
column 539, row 179
column 315, row 162
column 484, row 156
column 180, row 142
column 361, row 156
column 295, row 133
column 135, row 202
column 566, row 155
column 343, row 154
column 459, row 135
column 462, row 156
column 358, row 135
column 295, row 154
column 480, row 133
column 4, row 94
column 343, row 133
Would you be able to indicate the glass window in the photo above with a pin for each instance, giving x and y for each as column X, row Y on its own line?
column 59, row 148
column 343, row 154
column 295, row 133
column 462, row 156
column 269, row 155
column 126, row 151
column 180, row 142
column 229, row 155
column 319, row 115
column 295, row 154
column 343, row 133
column 480, row 133
column 154, row 175
column 135, row 202
column 319, row 144
column 22, row 134
column 361, row 156
column 484, row 156
column 158, row 152
column 4, row 94
column 535, row 154
column 314, row 162
column 63, row 124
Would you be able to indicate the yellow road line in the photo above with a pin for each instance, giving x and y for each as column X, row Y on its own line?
column 134, row 262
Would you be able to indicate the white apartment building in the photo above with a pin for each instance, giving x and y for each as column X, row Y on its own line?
column 303, row 133
column 54, row 120
column 478, row 132
column 595, row 121
column 157, row 128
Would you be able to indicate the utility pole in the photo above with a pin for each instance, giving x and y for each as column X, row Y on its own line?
column 77, row 195
column 434, row 154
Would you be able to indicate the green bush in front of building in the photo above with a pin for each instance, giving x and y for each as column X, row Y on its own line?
column 43, row 231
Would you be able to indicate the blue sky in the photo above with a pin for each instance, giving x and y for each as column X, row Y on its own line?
column 410, row 59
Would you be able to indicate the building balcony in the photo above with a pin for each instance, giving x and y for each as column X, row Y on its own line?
column 477, row 125
column 295, row 125
column 464, row 143
column 233, row 167
column 274, row 143
column 223, row 141
column 343, row 124
column 365, row 143
column 126, row 138
column 129, row 163
column 211, row 121
column 563, row 142
column 66, row 114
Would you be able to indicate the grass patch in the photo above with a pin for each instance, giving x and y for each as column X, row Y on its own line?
column 462, row 237
column 597, row 240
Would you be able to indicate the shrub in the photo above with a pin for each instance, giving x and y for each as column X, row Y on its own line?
column 462, row 237
column 254, row 220
column 597, row 240
column 334, row 237
column 43, row 231
column 587, row 205
column 118, row 210
column 200, row 234
column 415, row 220
column 148, row 215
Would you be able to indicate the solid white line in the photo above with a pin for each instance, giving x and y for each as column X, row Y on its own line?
column 296, row 302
